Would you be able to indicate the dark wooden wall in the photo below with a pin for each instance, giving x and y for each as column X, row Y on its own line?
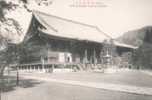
column 41, row 45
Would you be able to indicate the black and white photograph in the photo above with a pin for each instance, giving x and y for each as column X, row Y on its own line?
column 75, row 49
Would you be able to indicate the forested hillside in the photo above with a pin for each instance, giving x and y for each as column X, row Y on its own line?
column 137, row 37
column 142, row 57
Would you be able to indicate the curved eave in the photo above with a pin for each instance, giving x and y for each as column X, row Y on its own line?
column 124, row 45
column 69, row 37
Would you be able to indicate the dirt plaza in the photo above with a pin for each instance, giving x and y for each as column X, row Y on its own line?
column 78, row 86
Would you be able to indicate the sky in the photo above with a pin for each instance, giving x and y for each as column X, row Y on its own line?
column 115, row 18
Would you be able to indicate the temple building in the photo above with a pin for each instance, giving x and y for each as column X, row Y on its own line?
column 54, row 42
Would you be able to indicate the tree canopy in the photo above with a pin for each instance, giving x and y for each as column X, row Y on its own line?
column 10, row 27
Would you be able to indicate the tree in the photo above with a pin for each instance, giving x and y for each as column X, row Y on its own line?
column 9, row 28
column 142, row 57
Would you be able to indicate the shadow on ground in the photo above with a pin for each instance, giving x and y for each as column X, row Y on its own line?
column 9, row 83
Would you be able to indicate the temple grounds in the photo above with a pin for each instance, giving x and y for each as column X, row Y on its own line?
column 122, row 85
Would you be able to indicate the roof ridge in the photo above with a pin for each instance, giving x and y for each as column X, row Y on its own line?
column 102, row 32
column 76, row 22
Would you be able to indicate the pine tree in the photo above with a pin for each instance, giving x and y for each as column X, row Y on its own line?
column 10, row 52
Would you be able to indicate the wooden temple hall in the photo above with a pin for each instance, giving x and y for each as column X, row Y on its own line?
column 54, row 42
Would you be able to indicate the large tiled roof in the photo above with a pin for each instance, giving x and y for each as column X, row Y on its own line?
column 65, row 28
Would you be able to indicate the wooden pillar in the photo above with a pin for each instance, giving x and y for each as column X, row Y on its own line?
column 53, row 67
column 48, row 48
column 29, row 68
column 17, row 76
column 18, row 67
column 94, row 56
column 38, row 68
column 43, row 64
column 86, row 55
column 22, row 68
column 45, row 68
column 33, row 67
column 25, row 68
column 85, row 58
